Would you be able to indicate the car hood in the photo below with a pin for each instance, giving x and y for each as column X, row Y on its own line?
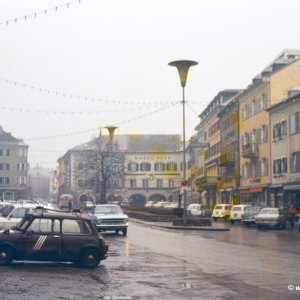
column 110, row 216
column 267, row 216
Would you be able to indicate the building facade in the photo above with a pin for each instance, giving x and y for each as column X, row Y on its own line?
column 285, row 151
column 13, row 167
column 144, row 167
column 208, row 178
column 267, row 89
column 229, row 157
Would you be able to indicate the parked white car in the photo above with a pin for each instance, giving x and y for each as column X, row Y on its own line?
column 13, row 213
column 237, row 213
column 195, row 209
column 161, row 204
column 149, row 203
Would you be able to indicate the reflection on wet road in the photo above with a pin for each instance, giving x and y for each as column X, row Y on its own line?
column 155, row 263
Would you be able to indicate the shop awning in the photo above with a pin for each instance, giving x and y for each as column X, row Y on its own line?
column 291, row 187
column 253, row 190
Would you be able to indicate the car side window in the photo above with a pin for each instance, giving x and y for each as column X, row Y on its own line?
column 18, row 213
column 75, row 227
column 42, row 225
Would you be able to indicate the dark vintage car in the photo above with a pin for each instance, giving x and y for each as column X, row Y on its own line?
column 249, row 217
column 271, row 217
column 53, row 236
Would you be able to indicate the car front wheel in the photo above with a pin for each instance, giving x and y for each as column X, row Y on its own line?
column 90, row 258
column 6, row 256
column 124, row 230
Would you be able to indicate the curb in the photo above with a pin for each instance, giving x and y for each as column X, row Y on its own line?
column 204, row 228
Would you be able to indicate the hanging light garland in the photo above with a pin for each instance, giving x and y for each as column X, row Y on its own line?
column 20, row 110
column 96, row 129
column 38, row 13
column 77, row 97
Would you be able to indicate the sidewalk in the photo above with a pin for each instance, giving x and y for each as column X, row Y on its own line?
column 169, row 225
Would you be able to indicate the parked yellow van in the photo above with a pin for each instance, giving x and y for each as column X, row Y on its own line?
column 221, row 211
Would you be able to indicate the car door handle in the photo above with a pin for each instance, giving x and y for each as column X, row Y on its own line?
column 56, row 236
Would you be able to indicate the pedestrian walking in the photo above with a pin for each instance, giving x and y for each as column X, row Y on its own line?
column 70, row 205
column 292, row 215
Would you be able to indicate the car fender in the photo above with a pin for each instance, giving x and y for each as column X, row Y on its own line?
column 91, row 246
column 11, row 246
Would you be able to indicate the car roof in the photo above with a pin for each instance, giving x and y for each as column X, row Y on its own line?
column 59, row 215
column 108, row 204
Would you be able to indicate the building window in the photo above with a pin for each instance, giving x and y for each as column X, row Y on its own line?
column 295, row 167
column 21, row 167
column 295, row 123
column 115, row 183
column 264, row 134
column 171, row 183
column 133, row 167
column 145, row 167
column 145, row 183
column 159, row 167
column 279, row 130
column 132, row 183
column 4, row 180
column 80, row 166
column 4, row 166
column 280, row 166
column 22, row 152
column 80, row 182
column 4, row 152
column 264, row 167
column 159, row 183
column 171, row 166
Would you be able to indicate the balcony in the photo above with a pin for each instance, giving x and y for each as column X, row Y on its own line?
column 208, row 182
column 250, row 150
column 225, row 160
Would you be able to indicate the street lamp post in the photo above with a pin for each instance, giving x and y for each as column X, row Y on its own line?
column 111, row 131
column 183, row 68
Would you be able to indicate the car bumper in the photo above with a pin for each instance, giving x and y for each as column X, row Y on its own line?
column 104, row 227
column 267, row 223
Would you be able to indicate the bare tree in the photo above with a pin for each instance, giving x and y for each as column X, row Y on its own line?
column 106, row 166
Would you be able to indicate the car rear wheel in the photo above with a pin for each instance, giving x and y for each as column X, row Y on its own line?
column 124, row 230
column 90, row 258
column 215, row 219
column 232, row 222
column 6, row 256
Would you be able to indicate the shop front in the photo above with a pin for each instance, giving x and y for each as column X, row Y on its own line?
column 255, row 196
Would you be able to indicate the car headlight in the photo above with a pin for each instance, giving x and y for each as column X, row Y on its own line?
column 126, row 221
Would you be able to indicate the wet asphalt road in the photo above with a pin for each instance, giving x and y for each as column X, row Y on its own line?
column 157, row 263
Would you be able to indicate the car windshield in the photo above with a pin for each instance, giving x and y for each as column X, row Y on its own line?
column 107, row 209
column 22, row 225
column 6, row 210
column 218, row 207
column 236, row 208
column 252, row 209
column 193, row 206
column 269, row 211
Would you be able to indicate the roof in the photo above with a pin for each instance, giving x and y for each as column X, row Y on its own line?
column 59, row 214
column 137, row 143
column 6, row 137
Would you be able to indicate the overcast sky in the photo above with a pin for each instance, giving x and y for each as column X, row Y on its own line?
column 112, row 57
